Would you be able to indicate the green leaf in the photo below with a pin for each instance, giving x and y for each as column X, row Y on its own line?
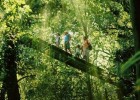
column 138, row 82
column 130, row 62
column 137, row 85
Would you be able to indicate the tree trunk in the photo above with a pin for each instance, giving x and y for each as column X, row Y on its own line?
column 89, row 87
column 136, row 29
column 106, row 94
column 120, row 94
column 10, row 81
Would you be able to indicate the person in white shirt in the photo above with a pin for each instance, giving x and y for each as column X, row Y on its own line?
column 57, row 39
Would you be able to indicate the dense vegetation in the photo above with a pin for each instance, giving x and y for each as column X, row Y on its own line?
column 27, row 72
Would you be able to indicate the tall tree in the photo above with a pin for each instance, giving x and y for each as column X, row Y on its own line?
column 12, row 23
column 10, row 64
column 136, row 30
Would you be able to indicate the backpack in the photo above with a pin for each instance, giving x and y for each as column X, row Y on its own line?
column 89, row 46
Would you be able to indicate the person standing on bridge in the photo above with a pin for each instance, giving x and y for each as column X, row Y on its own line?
column 57, row 39
column 78, row 51
column 85, row 48
column 67, row 39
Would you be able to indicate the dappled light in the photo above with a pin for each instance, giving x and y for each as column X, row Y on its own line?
column 69, row 50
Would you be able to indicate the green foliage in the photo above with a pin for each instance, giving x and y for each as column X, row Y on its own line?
column 2, row 74
column 106, row 23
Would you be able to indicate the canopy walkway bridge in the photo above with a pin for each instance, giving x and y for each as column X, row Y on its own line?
column 68, row 59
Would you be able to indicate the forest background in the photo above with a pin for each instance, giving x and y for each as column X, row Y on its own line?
column 30, row 74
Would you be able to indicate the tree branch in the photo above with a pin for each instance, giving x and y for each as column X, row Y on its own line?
column 26, row 77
